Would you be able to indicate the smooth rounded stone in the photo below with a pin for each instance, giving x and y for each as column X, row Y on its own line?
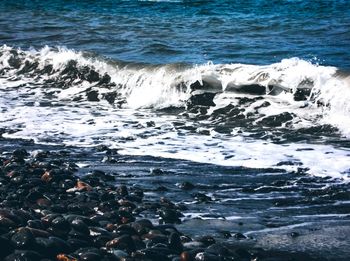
column 84, row 250
column 134, row 198
column 126, row 204
column 57, row 232
column 194, row 245
column 125, row 229
column 207, row 240
column 170, row 215
column 157, row 239
column 106, row 197
column 294, row 234
column 124, row 242
column 156, row 171
column 17, row 180
column 142, row 226
column 65, row 257
column 43, row 202
column 185, row 256
column 243, row 253
column 47, row 176
column 122, row 191
column 66, row 184
column 151, row 254
column 152, row 233
column 47, row 219
column 34, row 195
column 175, row 242
column 45, row 246
column 218, row 250
column 61, row 245
column 77, row 235
column 101, row 241
column 139, row 244
column 83, row 186
column 98, row 231
column 23, row 238
column 226, row 234
column 22, row 215
column 186, row 185
column 239, row 236
column 125, row 216
column 20, row 153
column 39, row 232
column 203, row 256
column 77, row 243
column 167, row 229
column 6, row 224
column 79, row 225
column 98, row 218
column 86, row 220
column 202, row 197
column 118, row 253
column 24, row 255
column 5, row 247
column 90, row 256
column 59, row 208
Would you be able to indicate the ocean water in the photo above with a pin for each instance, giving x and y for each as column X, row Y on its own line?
column 247, row 99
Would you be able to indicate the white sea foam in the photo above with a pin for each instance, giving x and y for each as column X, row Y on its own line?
column 146, row 87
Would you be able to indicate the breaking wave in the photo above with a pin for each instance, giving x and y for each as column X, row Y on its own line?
column 315, row 93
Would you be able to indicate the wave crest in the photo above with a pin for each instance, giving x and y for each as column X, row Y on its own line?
column 292, row 86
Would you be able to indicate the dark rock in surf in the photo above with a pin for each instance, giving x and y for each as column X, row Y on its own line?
column 239, row 236
column 156, row 172
column 186, row 185
column 170, row 215
column 110, row 97
column 204, row 99
column 92, row 96
column 302, row 94
column 14, row 61
column 277, row 120
column 105, row 79
column 196, row 86
column 294, row 234
column 28, row 67
column 254, row 89
column 92, row 76
column 20, row 153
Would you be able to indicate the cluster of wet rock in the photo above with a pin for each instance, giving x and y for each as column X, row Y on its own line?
column 19, row 64
column 49, row 213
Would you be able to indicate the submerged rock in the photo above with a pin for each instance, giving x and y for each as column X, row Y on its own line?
column 204, row 99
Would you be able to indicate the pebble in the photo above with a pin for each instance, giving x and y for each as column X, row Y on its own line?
column 47, row 213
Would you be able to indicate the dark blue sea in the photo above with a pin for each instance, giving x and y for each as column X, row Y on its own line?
column 247, row 99
column 195, row 32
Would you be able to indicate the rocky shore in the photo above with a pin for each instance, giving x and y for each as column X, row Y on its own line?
column 48, row 212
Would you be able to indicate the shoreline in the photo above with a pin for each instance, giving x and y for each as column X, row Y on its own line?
column 52, row 211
